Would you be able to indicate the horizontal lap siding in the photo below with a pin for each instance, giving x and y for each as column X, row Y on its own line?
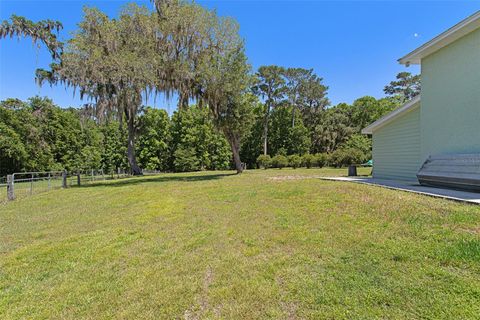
column 396, row 148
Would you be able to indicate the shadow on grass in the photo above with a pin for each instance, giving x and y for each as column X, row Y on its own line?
column 154, row 179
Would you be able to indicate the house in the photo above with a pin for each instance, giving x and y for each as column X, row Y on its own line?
column 445, row 119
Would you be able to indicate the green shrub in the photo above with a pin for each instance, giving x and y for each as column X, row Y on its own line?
column 294, row 161
column 343, row 157
column 282, row 151
column 264, row 161
column 308, row 160
column 279, row 161
column 361, row 143
column 186, row 160
column 338, row 158
column 321, row 160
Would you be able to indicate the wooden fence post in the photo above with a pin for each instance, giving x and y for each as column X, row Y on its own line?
column 78, row 179
column 10, row 188
column 64, row 179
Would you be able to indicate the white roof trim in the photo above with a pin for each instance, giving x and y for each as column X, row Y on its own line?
column 444, row 39
column 412, row 104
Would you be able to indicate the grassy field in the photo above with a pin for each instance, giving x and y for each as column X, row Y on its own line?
column 276, row 244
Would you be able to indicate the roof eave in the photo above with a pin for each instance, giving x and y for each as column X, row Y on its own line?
column 444, row 39
column 407, row 61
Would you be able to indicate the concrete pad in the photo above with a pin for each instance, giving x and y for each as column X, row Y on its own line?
column 415, row 187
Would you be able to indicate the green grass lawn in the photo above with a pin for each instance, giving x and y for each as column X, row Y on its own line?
column 276, row 244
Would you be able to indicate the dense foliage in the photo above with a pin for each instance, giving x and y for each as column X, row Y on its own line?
column 195, row 143
column 37, row 135
column 317, row 128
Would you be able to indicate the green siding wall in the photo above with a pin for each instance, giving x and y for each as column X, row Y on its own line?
column 396, row 148
column 451, row 98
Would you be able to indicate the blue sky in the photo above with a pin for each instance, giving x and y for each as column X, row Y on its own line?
column 353, row 45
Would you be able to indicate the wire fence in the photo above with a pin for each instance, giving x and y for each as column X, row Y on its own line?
column 22, row 184
column 29, row 183
column 83, row 177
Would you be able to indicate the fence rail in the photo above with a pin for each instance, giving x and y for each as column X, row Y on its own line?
column 22, row 184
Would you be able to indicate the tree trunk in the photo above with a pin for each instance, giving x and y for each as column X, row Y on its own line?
column 235, row 145
column 182, row 101
column 132, row 159
column 293, row 116
column 265, row 133
column 265, row 129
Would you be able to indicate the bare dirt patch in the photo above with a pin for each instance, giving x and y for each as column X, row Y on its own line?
column 472, row 230
column 198, row 310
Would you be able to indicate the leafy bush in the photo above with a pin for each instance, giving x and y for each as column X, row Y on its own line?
column 343, row 157
column 264, row 161
column 308, row 160
column 360, row 143
column 321, row 160
column 294, row 161
column 282, row 151
column 279, row 161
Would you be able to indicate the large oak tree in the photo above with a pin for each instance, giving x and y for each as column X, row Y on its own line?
column 181, row 48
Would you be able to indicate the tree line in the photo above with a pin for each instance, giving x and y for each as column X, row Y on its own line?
column 295, row 116
column 37, row 135
column 182, row 49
